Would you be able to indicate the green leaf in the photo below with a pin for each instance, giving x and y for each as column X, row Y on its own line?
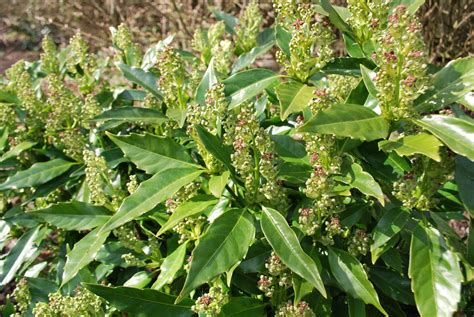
column 422, row 143
column 208, row 80
column 435, row 274
column 229, row 20
column 217, row 183
column 465, row 179
column 138, row 280
column 393, row 284
column 457, row 134
column 249, row 58
column 132, row 114
column 19, row 253
column 283, row 39
column 450, row 85
column 74, row 215
column 296, row 173
column 348, row 120
column 348, row 66
column 140, row 77
column 352, row 278
column 150, row 193
column 37, row 174
column 195, row 206
column 152, row 153
column 356, row 177
column 243, row 306
column 388, row 226
column 294, row 97
column 215, row 147
column 83, row 253
column 286, row 245
column 412, row 5
column 170, row 266
column 368, row 77
column 142, row 302
column 16, row 150
column 335, row 18
column 223, row 245
column 247, row 84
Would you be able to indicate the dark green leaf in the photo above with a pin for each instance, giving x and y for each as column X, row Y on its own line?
column 283, row 39
column 465, row 180
column 215, row 146
column 392, row 284
column 140, row 77
column 243, row 306
column 208, row 80
column 132, row 114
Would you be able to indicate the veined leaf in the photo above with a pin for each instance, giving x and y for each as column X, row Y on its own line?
column 422, row 143
column 142, row 302
column 247, row 84
column 223, row 245
column 435, row 274
column 356, row 177
column 294, row 97
column 208, row 80
column 170, row 266
column 140, row 77
column 16, row 150
column 388, row 226
column 197, row 205
column 457, row 134
column 152, row 153
column 37, row 174
column 351, row 276
column 286, row 245
column 348, row 120
column 247, row 59
column 465, row 179
column 132, row 114
column 74, row 215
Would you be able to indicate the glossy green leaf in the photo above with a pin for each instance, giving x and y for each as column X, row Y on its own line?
column 37, row 174
column 283, row 39
column 150, row 58
column 195, row 206
column 450, row 85
column 388, row 226
column 19, row 253
column 16, row 150
column 143, row 78
column 422, row 143
column 217, row 183
column 286, row 245
column 352, row 278
column 223, row 245
column 249, row 58
column 348, row 66
column 335, row 18
column 142, row 302
column 152, row 153
column 457, row 134
column 368, row 77
column 293, row 97
column 138, row 280
column 170, row 266
column 465, row 179
column 83, row 253
column 435, row 274
column 74, row 215
column 208, row 80
column 132, row 114
column 392, row 284
column 216, row 147
column 242, row 86
column 348, row 120
column 243, row 306
column 356, row 177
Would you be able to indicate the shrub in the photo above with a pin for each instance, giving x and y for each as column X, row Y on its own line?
column 193, row 182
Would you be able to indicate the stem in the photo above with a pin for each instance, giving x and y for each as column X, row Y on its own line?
column 236, row 198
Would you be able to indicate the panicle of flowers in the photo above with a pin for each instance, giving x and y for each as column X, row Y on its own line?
column 184, row 194
column 337, row 90
column 49, row 61
column 279, row 276
column 7, row 116
column 96, row 167
column 128, row 52
column 90, row 109
column 249, row 25
column 332, row 228
column 210, row 304
column 359, row 243
column 132, row 184
column 82, row 64
column 301, row 309
column 189, row 229
column 151, row 102
column 127, row 237
column 310, row 44
column 22, row 296
column 286, row 11
column 308, row 220
column 222, row 54
column 367, row 17
column 402, row 65
column 83, row 303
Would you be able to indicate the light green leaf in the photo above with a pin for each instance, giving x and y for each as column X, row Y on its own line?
column 151, row 55
column 142, row 302
column 140, row 77
column 294, row 97
column 356, row 177
column 132, row 114
column 208, row 80
column 352, row 278
column 465, row 179
column 247, row 59
column 457, row 134
column 138, row 280
column 152, row 153
column 74, row 215
column 223, row 245
column 16, row 150
column 37, row 174
column 422, row 143
column 348, row 120
column 286, row 245
column 217, row 183
column 450, row 85
column 435, row 274
column 242, row 86
column 195, row 206
column 368, row 77
column 170, row 266
column 388, row 226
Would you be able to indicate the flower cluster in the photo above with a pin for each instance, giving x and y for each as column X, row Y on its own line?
column 402, row 65
column 301, row 309
column 210, row 304
column 96, row 168
column 81, row 64
column 367, row 18
column 83, row 303
column 279, row 276
column 332, row 228
column 249, row 25
column 49, row 61
column 128, row 52
column 359, row 243
column 310, row 44
column 22, row 296
column 127, row 237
